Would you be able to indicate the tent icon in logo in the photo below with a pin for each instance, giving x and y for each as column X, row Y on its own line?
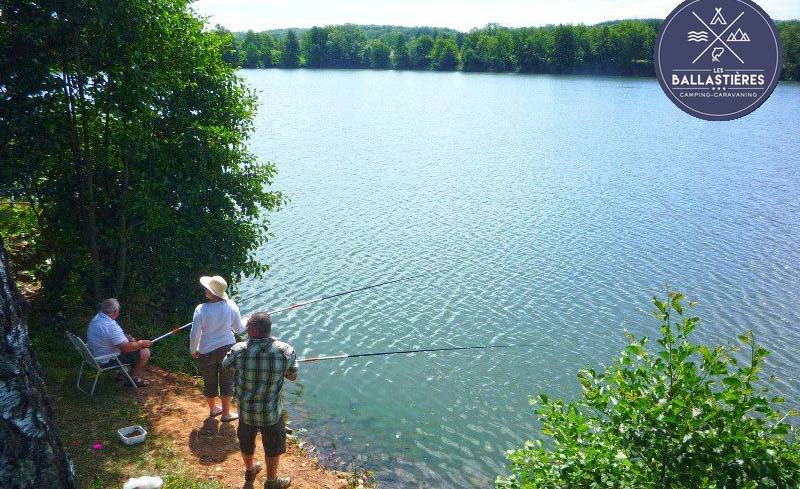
column 718, row 18
column 739, row 36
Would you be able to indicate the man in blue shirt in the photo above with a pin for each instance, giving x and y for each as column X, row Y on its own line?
column 105, row 336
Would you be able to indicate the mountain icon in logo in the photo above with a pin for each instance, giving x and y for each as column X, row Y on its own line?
column 739, row 36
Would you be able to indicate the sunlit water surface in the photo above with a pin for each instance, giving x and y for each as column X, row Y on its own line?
column 550, row 208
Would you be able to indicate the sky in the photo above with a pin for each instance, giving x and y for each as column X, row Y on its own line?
column 241, row 15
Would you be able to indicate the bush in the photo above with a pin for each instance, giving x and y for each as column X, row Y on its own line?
column 684, row 416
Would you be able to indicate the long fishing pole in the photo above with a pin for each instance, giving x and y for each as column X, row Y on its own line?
column 309, row 302
column 171, row 332
column 253, row 296
column 326, row 297
column 400, row 352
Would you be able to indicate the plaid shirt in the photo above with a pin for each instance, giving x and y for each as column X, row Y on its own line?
column 261, row 364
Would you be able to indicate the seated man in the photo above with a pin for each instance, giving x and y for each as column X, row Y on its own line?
column 105, row 336
column 261, row 363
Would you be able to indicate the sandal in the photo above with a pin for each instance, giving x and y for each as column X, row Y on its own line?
column 231, row 417
column 250, row 475
column 215, row 412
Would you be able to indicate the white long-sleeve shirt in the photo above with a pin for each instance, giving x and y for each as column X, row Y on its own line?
column 213, row 326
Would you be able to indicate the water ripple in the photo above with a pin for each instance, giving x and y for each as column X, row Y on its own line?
column 550, row 214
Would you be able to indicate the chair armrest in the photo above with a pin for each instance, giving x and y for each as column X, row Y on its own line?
column 102, row 358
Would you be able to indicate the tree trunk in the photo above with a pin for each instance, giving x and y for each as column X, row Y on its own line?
column 88, row 175
column 122, row 251
column 31, row 453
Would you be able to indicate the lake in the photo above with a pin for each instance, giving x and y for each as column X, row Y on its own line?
column 550, row 209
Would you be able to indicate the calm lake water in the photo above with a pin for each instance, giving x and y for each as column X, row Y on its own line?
column 551, row 208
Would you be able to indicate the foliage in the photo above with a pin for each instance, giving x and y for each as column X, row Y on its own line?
column 400, row 57
column 125, row 131
column 377, row 54
column 683, row 416
column 290, row 56
column 229, row 47
column 444, row 56
column 420, row 50
column 790, row 37
column 618, row 47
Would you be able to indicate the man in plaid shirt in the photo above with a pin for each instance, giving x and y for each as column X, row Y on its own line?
column 261, row 364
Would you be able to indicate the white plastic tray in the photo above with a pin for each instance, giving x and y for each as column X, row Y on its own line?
column 133, row 440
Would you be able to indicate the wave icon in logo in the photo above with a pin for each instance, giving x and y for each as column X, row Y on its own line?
column 697, row 36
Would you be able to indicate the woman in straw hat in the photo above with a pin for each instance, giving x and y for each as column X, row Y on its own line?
column 213, row 326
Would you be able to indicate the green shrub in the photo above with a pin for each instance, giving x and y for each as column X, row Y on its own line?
column 683, row 416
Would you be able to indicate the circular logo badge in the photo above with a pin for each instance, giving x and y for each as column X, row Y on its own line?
column 718, row 59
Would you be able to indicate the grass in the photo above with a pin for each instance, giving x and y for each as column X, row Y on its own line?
column 85, row 420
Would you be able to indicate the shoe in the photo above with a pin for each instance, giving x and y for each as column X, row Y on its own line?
column 216, row 412
column 250, row 475
column 231, row 417
column 279, row 483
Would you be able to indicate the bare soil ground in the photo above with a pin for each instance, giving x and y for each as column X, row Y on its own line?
column 176, row 409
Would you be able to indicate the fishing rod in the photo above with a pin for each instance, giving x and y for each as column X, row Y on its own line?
column 400, row 352
column 253, row 296
column 174, row 331
column 309, row 302
column 326, row 297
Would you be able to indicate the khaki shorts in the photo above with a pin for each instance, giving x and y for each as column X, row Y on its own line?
column 217, row 380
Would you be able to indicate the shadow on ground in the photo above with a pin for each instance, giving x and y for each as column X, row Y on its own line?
column 213, row 441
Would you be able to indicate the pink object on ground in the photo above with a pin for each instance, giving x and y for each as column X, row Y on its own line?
column 97, row 446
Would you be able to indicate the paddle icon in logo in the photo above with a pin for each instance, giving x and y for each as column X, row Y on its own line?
column 718, row 59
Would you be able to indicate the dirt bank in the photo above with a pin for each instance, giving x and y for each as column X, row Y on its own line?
column 176, row 409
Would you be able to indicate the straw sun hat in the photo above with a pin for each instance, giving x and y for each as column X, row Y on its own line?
column 216, row 285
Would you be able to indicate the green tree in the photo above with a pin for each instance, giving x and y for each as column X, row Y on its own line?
column 600, row 55
column 267, row 46
column 228, row 46
column 682, row 416
column 345, row 47
column 314, row 45
column 145, row 180
column 632, row 43
column 377, row 54
column 400, row 57
column 562, row 57
column 420, row 52
column 290, row 56
column 251, row 51
column 472, row 57
column 444, row 56
column 534, row 49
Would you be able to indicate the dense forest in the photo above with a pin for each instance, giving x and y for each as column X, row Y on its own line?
column 616, row 48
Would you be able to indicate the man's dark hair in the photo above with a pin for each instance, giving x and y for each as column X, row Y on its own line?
column 261, row 324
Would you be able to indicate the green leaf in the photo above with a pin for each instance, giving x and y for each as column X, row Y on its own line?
column 732, row 382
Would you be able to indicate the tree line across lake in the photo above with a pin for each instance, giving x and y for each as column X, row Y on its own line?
column 615, row 48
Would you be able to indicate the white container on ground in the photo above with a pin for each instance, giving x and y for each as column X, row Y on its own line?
column 144, row 483
column 133, row 440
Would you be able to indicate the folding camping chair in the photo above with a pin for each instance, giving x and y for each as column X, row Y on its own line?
column 96, row 363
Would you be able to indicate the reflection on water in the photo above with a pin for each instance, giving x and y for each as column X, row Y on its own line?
column 553, row 207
